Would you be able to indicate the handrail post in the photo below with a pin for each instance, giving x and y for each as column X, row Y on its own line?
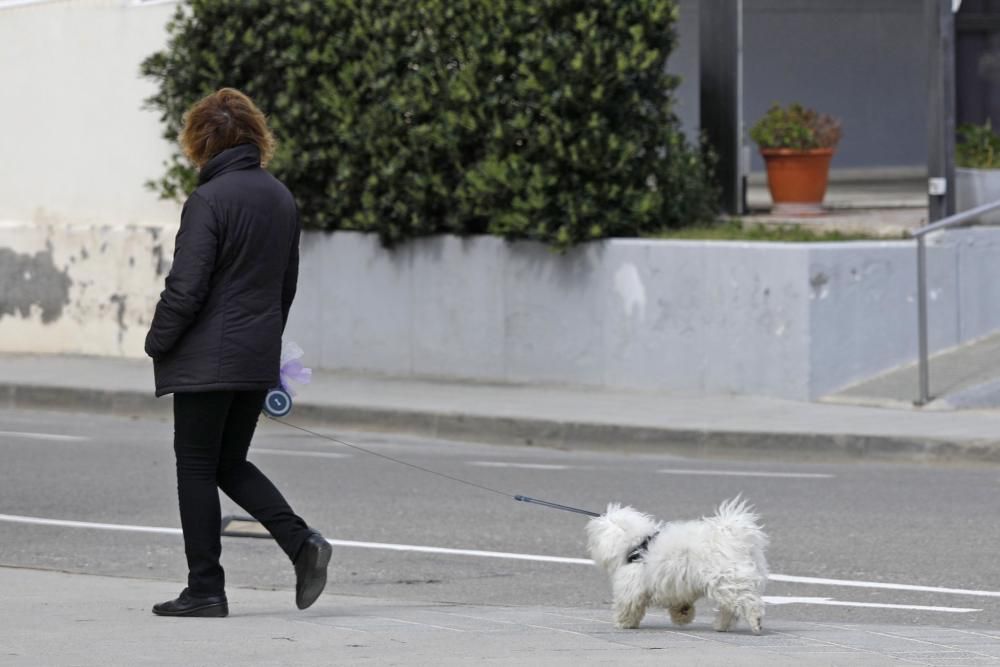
column 920, row 235
column 922, row 321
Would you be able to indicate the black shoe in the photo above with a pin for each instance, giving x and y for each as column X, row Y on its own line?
column 310, row 569
column 214, row 606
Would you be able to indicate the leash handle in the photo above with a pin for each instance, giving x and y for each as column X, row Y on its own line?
column 566, row 508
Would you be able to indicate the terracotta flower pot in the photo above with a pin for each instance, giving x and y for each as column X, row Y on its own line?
column 797, row 179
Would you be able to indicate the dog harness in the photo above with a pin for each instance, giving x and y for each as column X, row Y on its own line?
column 636, row 554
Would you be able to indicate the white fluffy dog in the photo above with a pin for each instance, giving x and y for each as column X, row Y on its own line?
column 672, row 564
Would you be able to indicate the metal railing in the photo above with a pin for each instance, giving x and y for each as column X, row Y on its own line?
column 920, row 234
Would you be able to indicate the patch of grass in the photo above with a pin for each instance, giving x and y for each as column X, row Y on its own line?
column 733, row 230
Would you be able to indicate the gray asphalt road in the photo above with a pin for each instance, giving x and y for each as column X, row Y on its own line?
column 905, row 526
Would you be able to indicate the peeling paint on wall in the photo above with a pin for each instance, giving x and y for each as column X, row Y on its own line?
column 32, row 281
column 85, row 295
column 819, row 283
column 162, row 264
column 120, row 300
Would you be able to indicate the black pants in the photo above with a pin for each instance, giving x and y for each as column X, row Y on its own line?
column 212, row 433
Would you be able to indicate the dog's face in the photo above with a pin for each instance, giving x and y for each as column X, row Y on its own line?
column 611, row 536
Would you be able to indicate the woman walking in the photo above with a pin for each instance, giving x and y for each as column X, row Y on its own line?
column 215, row 340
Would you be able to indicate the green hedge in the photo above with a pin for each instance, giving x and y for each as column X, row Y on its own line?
column 542, row 119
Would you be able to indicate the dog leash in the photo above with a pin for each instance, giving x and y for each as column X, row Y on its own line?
column 545, row 503
column 519, row 498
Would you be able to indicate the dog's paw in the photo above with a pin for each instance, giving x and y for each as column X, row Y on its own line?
column 723, row 620
column 682, row 614
column 629, row 619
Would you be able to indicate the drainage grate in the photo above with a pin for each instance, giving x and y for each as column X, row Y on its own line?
column 242, row 526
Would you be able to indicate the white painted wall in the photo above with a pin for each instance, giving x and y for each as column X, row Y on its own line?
column 75, row 146
column 80, row 234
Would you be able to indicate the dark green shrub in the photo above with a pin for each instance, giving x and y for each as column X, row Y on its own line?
column 979, row 147
column 542, row 119
column 796, row 127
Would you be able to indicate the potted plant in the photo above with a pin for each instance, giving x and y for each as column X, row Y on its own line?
column 977, row 176
column 797, row 145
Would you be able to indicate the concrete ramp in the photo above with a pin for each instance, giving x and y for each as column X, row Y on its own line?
column 966, row 377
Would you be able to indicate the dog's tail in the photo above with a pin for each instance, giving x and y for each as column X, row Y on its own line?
column 739, row 517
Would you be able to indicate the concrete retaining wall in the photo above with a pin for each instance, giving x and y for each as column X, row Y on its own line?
column 787, row 320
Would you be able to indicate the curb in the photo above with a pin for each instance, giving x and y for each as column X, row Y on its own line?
column 120, row 403
column 566, row 435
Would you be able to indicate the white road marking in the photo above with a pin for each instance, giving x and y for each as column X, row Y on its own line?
column 65, row 523
column 745, row 473
column 528, row 466
column 337, row 543
column 779, row 600
column 875, row 584
column 459, row 552
column 299, row 452
column 27, row 435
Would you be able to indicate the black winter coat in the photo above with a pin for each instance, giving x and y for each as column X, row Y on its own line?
column 219, row 321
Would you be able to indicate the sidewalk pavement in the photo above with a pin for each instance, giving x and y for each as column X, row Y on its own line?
column 565, row 417
column 56, row 618
column 883, row 207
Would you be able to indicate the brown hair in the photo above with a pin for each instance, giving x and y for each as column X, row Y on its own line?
column 224, row 119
